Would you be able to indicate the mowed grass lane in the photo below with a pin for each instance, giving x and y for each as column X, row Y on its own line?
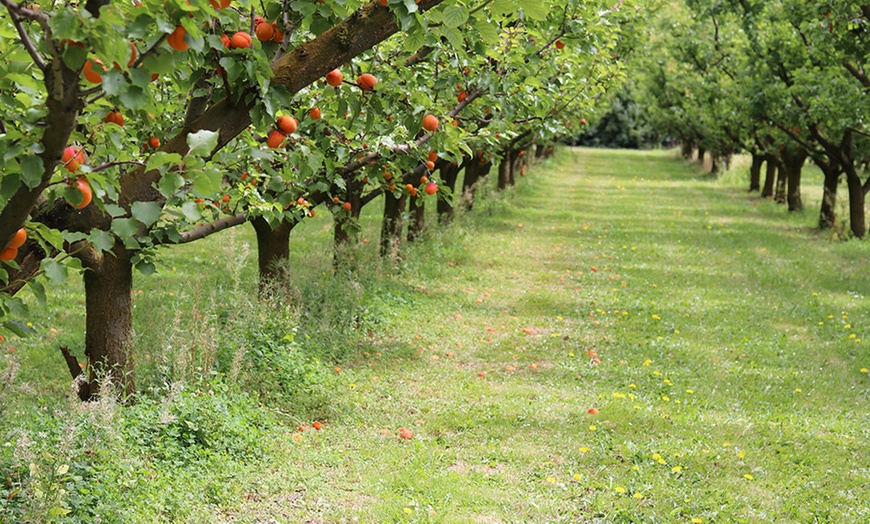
column 718, row 341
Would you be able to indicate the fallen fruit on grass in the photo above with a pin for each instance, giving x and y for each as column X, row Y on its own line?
column 481, row 374
column 593, row 411
column 405, row 433
column 430, row 123
column 317, row 425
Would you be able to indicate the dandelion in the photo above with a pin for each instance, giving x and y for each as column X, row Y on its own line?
column 741, row 455
column 551, row 480
column 584, row 450
column 619, row 489
column 647, row 362
column 408, row 510
column 657, row 372
column 847, row 326
column 747, row 476
column 577, row 476
column 689, row 391
column 864, row 370
column 696, row 520
column 592, row 428
column 666, row 398
column 677, row 469
column 656, row 317
column 619, row 395
column 798, row 390
column 635, row 468
column 638, row 496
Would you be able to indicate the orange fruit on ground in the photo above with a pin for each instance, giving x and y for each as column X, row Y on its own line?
column 317, row 425
column 87, row 193
column 154, row 142
column 334, row 78
column 430, row 123
column 115, row 117
column 405, row 433
column 367, row 81
column 10, row 253
column 176, row 39
column 593, row 411
column 314, row 113
column 264, row 32
column 240, row 40
column 288, row 124
column 275, row 139
column 93, row 71
column 18, row 239
column 433, row 156
column 431, row 188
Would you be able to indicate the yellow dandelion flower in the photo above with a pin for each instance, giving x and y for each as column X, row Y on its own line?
column 634, row 385
column 696, row 520
column 551, row 480
column 647, row 362
column 408, row 510
column 657, row 372
column 748, row 476
column 666, row 398
column 619, row 489
column 741, row 454
column 677, row 469
column 656, row 317
column 821, row 323
column 689, row 391
column 726, row 444
column 570, row 354
column 656, row 456
column 847, row 326
column 864, row 370
column 577, row 476
column 798, row 390
column 619, row 395
column 852, row 335
column 677, row 331
column 584, row 450
column 638, row 496
column 592, row 428
column 635, row 468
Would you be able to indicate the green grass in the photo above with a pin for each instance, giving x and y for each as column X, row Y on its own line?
column 732, row 383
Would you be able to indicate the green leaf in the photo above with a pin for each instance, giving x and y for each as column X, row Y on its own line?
column 454, row 16
column 205, row 184
column 54, row 270
column 146, row 212
column 411, row 6
column 170, row 183
column 19, row 328
column 32, row 170
column 455, row 37
column 535, row 9
column 191, row 211
column 38, row 290
column 102, row 240
column 414, row 40
column 488, row 31
column 502, row 7
column 74, row 57
column 134, row 97
column 202, row 143
column 125, row 228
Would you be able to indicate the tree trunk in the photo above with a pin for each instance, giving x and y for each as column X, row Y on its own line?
column 109, row 321
column 827, row 213
column 346, row 224
column 504, row 169
column 793, row 163
column 417, row 214
column 770, row 175
column 687, row 149
column 476, row 169
column 392, row 225
column 755, row 172
column 701, row 153
column 781, row 176
column 539, row 151
column 448, row 173
column 273, row 249
column 856, row 202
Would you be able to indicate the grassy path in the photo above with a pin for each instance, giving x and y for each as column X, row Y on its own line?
column 719, row 342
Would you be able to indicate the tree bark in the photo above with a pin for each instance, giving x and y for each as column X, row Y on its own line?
column 793, row 164
column 109, row 323
column 346, row 224
column 781, row 176
column 827, row 213
column 476, row 169
column 504, row 169
column 701, row 153
column 857, row 221
column 417, row 214
column 392, row 225
column 755, row 172
column 448, row 173
column 539, row 151
column 770, row 175
column 273, row 249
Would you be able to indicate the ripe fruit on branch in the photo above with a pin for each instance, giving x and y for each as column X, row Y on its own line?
column 87, row 193
column 93, row 71
column 430, row 165
column 287, row 124
column 220, row 4
column 314, row 113
column 276, row 138
column 424, row 179
column 134, row 54
column 430, row 123
column 176, row 39
column 346, row 206
column 462, row 96
column 73, row 158
column 115, row 117
column 582, row 121
column 264, row 32
column 433, row 156
column 367, row 81
column 277, row 34
column 18, row 239
column 560, row 44
column 154, row 142
column 10, row 253
column 226, row 40
column 431, row 188
column 240, row 40
column 334, row 78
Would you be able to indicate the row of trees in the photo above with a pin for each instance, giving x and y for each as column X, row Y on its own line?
column 783, row 80
column 128, row 128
